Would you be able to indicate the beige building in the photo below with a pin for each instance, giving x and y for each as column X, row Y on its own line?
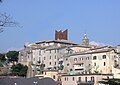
column 84, row 79
column 49, row 73
column 98, row 60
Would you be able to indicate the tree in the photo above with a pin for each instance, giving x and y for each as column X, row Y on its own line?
column 6, row 21
column 12, row 56
column 2, row 57
column 19, row 70
column 110, row 81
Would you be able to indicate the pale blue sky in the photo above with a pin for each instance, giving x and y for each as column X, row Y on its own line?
column 100, row 19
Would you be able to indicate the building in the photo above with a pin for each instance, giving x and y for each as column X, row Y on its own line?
column 98, row 60
column 65, row 61
column 84, row 79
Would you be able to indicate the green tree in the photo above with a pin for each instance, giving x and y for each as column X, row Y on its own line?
column 111, row 81
column 19, row 70
column 2, row 57
column 12, row 56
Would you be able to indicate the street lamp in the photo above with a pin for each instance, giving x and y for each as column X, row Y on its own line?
column 35, row 82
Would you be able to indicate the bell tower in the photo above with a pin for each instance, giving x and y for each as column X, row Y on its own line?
column 85, row 40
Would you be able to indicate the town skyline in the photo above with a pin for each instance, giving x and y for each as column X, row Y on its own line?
column 39, row 20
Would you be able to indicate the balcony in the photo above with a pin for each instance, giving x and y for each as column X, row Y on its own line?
column 85, row 83
column 78, row 66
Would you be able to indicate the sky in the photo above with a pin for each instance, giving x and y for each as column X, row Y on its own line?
column 38, row 20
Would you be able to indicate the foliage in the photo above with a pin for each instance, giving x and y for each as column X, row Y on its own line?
column 12, row 56
column 1, row 65
column 2, row 57
column 19, row 70
column 61, row 67
column 111, row 82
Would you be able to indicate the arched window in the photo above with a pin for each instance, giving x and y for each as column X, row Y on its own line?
column 92, row 79
column 79, row 79
column 104, row 56
column 75, row 59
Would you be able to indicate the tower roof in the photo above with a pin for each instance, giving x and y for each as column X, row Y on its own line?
column 85, row 40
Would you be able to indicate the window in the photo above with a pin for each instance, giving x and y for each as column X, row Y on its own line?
column 50, row 51
column 71, row 69
column 44, row 58
column 45, row 73
column 92, row 79
column 55, row 51
column 85, row 79
column 104, row 56
column 79, row 79
column 50, row 63
column 80, row 58
column 94, row 57
column 73, row 78
column 94, row 64
column 65, row 78
column 75, row 59
column 40, row 52
column 58, row 51
column 104, row 63
column 55, row 56
column 53, row 76
column 50, row 57
column 107, row 77
column 87, row 58
column 66, row 59
column 68, row 64
column 55, row 63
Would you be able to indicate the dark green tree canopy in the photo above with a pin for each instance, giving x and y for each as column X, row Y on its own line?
column 12, row 56
column 19, row 70
column 2, row 57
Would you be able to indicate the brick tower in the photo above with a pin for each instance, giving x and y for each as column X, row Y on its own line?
column 61, row 35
